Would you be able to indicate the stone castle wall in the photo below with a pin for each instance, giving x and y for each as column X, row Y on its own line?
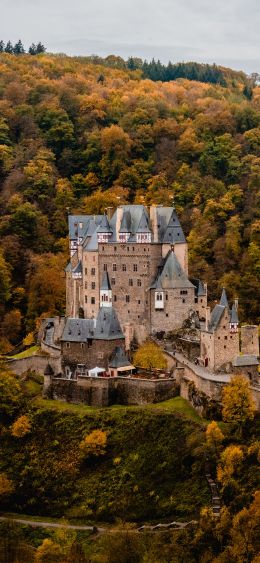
column 177, row 307
column 250, row 340
column 36, row 363
column 92, row 354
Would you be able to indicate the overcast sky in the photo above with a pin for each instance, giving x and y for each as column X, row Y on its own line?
column 221, row 31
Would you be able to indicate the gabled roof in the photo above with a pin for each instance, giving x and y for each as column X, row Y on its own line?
column 78, row 268
column 106, row 285
column 104, row 226
column 107, row 327
column 79, row 225
column 143, row 226
column 173, row 232
column 224, row 299
column 125, row 226
column 171, row 276
column 118, row 358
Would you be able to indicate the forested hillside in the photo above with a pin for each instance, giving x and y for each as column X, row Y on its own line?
column 77, row 136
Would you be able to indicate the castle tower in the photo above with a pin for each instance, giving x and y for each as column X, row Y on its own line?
column 106, row 292
column 249, row 340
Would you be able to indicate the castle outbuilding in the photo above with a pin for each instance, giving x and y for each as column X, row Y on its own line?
column 220, row 337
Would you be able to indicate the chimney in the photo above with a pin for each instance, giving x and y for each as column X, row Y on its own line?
column 109, row 212
column 119, row 217
column 154, row 222
column 207, row 317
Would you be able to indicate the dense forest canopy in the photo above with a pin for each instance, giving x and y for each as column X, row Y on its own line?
column 80, row 135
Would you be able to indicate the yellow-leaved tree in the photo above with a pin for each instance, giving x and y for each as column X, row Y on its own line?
column 94, row 444
column 238, row 407
column 6, row 485
column 214, row 436
column 150, row 356
column 21, row 426
column 230, row 462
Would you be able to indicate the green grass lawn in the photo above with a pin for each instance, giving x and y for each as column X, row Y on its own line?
column 26, row 353
column 175, row 405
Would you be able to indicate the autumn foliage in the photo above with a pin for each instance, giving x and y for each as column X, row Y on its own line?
column 94, row 444
column 21, row 426
column 150, row 356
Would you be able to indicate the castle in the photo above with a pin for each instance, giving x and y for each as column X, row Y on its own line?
column 127, row 280
column 137, row 261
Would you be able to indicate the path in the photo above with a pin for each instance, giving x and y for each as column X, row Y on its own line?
column 97, row 529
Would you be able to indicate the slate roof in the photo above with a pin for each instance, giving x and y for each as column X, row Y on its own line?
column 68, row 267
column 143, row 226
column 106, row 285
column 104, row 226
column 171, row 275
column 224, row 299
column 199, row 287
column 234, row 315
column 78, row 330
column 79, row 225
column 245, row 360
column 215, row 317
column 118, row 358
column 78, row 268
column 105, row 327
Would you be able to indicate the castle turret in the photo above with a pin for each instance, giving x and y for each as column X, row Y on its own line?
column 223, row 299
column 106, row 292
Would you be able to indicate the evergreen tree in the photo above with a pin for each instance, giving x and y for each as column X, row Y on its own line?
column 2, row 46
column 32, row 49
column 18, row 48
column 40, row 48
column 9, row 47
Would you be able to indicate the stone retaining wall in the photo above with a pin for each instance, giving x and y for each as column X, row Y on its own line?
column 103, row 391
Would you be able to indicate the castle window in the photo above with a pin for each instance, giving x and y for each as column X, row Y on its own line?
column 139, row 283
column 82, row 344
column 183, row 292
column 224, row 346
column 124, row 267
column 115, row 298
column 133, row 248
column 201, row 300
column 93, row 271
column 67, row 344
column 115, row 248
column 114, row 267
column 86, row 298
column 231, row 336
column 130, row 281
column 128, row 248
column 167, row 315
column 135, row 267
column 86, row 285
column 225, row 337
column 103, row 248
column 93, row 285
column 105, row 267
column 166, row 296
column 183, row 300
column 86, row 271
column 113, row 281
column 196, row 300
column 127, row 298
column 93, row 300
column 89, row 341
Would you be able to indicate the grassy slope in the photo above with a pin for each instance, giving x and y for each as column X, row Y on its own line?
column 147, row 473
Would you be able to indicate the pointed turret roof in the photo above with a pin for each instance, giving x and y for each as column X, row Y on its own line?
column 106, row 285
column 173, row 232
column 224, row 299
column 78, row 268
column 172, row 276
